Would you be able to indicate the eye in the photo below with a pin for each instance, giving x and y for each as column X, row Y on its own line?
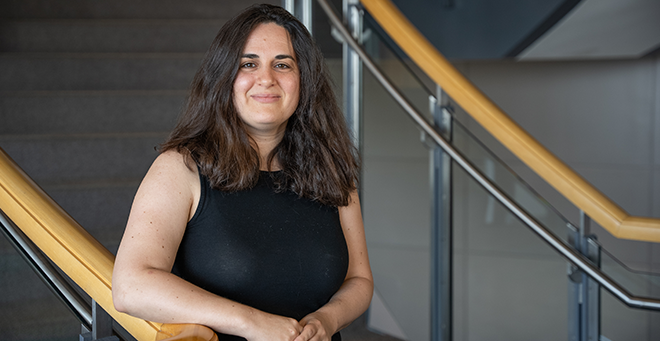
column 282, row 66
column 248, row 65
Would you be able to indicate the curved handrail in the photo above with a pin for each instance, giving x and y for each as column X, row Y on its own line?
column 76, row 252
column 575, row 188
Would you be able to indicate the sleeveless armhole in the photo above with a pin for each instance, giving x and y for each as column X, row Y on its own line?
column 203, row 192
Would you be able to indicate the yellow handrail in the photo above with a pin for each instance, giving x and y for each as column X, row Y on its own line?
column 75, row 251
column 576, row 189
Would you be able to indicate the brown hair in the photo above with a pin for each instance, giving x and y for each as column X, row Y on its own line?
column 316, row 154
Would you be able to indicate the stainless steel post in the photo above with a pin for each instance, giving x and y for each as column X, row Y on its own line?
column 590, row 309
column 441, row 225
column 352, row 68
column 102, row 325
column 289, row 5
column 306, row 14
column 584, row 292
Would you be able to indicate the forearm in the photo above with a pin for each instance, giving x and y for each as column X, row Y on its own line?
column 160, row 296
column 350, row 301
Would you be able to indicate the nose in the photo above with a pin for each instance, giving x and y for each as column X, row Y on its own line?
column 266, row 77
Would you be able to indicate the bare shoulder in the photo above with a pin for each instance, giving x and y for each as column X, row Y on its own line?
column 173, row 168
column 170, row 181
column 173, row 163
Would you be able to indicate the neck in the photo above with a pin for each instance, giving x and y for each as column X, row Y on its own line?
column 265, row 143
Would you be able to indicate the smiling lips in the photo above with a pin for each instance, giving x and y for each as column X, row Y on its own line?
column 265, row 98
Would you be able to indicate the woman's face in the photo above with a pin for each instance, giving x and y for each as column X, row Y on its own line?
column 266, row 89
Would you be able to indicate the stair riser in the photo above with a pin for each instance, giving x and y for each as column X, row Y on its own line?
column 98, row 72
column 19, row 282
column 38, row 320
column 143, row 9
column 65, row 160
column 89, row 113
column 102, row 211
column 108, row 36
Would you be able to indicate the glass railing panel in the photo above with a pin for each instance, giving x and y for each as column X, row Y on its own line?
column 396, row 201
column 507, row 181
column 386, row 140
column 402, row 256
column 540, row 200
column 619, row 322
column 508, row 283
column 396, row 207
column 416, row 89
column 412, row 83
column 638, row 283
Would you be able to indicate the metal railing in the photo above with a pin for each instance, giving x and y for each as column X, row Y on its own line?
column 47, row 272
column 96, row 323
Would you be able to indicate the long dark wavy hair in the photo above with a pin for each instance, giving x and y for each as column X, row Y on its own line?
column 317, row 157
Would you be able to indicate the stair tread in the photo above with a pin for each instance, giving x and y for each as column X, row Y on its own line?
column 94, row 71
column 107, row 35
column 88, row 112
column 123, row 8
column 75, row 158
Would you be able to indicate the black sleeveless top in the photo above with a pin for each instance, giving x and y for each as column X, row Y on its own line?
column 276, row 252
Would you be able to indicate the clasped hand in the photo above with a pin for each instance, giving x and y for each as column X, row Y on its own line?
column 313, row 327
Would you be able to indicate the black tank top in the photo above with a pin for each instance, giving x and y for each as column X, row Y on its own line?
column 276, row 252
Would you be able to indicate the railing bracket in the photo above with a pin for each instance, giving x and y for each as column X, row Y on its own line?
column 575, row 274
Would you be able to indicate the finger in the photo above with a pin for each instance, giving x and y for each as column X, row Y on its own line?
column 307, row 333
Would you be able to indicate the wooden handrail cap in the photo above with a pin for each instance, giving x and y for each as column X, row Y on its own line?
column 185, row 332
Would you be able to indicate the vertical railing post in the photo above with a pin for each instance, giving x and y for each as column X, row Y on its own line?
column 306, row 14
column 301, row 9
column 584, row 292
column 290, row 6
column 352, row 69
column 101, row 326
column 441, row 229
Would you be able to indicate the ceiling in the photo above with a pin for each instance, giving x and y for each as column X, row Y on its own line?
column 538, row 29
column 601, row 29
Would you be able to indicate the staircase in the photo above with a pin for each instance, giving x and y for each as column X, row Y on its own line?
column 88, row 88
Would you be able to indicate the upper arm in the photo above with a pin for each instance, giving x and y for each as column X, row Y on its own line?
column 353, row 227
column 161, row 209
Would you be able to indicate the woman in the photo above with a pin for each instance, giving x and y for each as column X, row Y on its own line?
column 249, row 221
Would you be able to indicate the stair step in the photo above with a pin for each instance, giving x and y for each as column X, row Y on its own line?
column 89, row 112
column 38, row 319
column 102, row 71
column 108, row 35
column 62, row 159
column 19, row 281
column 148, row 9
column 100, row 208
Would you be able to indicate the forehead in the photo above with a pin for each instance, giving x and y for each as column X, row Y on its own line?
column 269, row 37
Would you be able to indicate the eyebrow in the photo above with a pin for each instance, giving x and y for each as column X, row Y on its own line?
column 279, row 56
